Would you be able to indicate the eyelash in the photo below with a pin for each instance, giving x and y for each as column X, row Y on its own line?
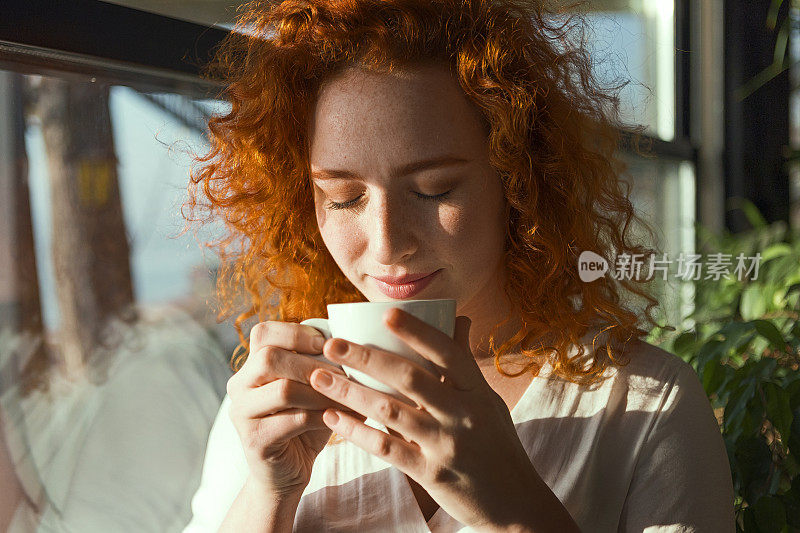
column 350, row 203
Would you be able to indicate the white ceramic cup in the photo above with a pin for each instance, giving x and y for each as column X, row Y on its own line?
column 362, row 323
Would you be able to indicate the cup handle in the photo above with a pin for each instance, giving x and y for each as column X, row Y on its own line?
column 321, row 325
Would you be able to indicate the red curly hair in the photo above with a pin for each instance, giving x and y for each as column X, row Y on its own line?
column 553, row 132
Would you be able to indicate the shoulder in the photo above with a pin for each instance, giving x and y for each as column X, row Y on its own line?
column 643, row 367
column 681, row 437
column 649, row 378
column 660, row 380
column 649, row 367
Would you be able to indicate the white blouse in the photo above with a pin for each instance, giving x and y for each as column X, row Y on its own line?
column 640, row 451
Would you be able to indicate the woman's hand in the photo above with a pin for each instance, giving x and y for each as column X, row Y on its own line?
column 277, row 414
column 459, row 443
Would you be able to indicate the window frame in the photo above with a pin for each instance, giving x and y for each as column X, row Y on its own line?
column 82, row 33
column 82, row 36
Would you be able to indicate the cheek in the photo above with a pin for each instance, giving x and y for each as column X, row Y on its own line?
column 342, row 240
column 456, row 224
column 475, row 234
column 475, row 222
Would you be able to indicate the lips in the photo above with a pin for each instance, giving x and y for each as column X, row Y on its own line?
column 404, row 286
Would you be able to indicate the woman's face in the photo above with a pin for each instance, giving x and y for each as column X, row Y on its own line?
column 378, row 144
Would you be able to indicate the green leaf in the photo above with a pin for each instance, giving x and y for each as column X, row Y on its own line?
column 734, row 334
column 749, row 519
column 710, row 351
column 772, row 14
column 775, row 250
column 780, row 273
column 736, row 406
column 781, row 43
column 753, row 460
column 741, row 376
column 713, row 376
column 793, row 389
column 763, row 369
column 791, row 468
column 752, row 305
column 684, row 342
column 779, row 409
column 754, row 415
column 794, row 437
column 769, row 513
column 791, row 503
column 767, row 329
column 750, row 211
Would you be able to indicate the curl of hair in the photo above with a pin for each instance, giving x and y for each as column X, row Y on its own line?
column 554, row 136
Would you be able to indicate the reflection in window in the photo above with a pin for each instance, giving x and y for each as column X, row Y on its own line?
column 113, row 366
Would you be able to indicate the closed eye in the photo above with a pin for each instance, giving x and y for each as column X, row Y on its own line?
column 354, row 201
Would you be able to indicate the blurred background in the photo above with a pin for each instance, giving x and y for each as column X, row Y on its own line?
column 101, row 111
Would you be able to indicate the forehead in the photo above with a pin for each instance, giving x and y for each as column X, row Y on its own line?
column 369, row 118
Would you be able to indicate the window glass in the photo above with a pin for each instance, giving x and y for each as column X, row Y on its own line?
column 154, row 136
column 113, row 364
column 634, row 41
column 663, row 194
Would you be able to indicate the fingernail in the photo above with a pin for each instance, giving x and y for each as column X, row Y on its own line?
column 339, row 348
column 318, row 343
column 323, row 379
column 330, row 417
column 393, row 317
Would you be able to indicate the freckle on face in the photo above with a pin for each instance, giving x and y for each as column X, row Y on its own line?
column 370, row 123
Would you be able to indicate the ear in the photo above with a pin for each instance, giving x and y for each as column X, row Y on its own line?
column 461, row 333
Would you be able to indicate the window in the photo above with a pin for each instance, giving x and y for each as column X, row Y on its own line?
column 96, row 136
column 634, row 41
column 638, row 41
column 105, row 422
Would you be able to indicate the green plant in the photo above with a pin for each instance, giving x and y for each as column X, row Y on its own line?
column 782, row 58
column 745, row 347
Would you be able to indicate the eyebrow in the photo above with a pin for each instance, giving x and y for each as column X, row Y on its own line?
column 403, row 170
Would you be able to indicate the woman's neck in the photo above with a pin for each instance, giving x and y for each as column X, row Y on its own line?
column 489, row 311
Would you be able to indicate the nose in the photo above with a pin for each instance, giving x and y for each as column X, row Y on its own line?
column 392, row 235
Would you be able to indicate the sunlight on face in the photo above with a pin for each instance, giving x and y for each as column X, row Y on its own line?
column 403, row 185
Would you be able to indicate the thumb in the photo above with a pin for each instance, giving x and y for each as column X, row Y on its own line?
column 461, row 333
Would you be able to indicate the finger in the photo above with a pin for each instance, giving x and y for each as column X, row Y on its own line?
column 272, row 362
column 416, row 424
column 406, row 377
column 453, row 356
column 287, row 335
column 461, row 332
column 406, row 456
column 288, row 424
column 285, row 425
column 282, row 395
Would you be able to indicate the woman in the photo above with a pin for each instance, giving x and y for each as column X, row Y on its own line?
column 371, row 143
